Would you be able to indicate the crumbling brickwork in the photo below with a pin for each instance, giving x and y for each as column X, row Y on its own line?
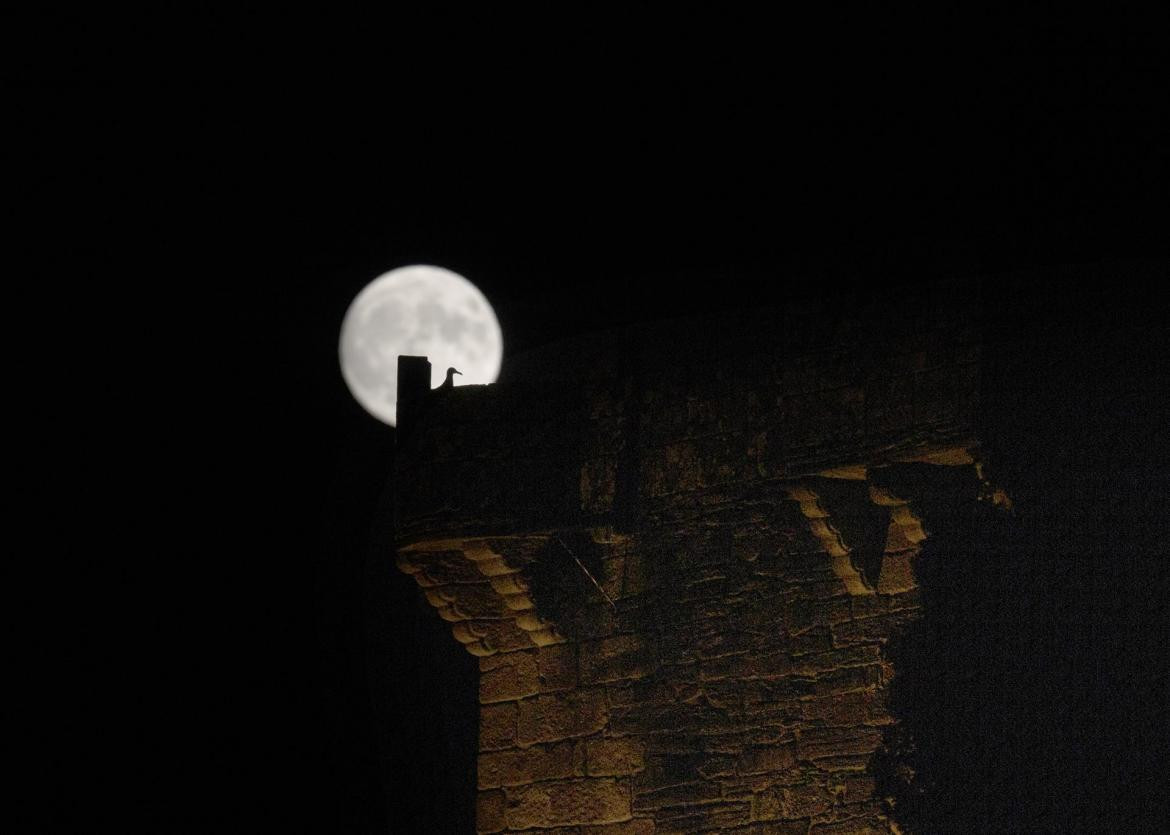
column 679, row 551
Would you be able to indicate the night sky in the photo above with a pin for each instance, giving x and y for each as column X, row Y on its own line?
column 580, row 185
column 585, row 226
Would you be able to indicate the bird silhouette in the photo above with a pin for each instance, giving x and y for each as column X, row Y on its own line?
column 450, row 381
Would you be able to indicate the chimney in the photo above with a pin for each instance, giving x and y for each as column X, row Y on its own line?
column 414, row 382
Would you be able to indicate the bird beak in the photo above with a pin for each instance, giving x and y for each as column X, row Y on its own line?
column 460, row 373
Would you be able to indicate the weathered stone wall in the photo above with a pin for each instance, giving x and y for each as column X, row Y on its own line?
column 679, row 551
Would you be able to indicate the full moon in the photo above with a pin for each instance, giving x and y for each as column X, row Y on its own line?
column 418, row 310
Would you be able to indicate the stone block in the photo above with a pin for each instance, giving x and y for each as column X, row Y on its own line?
column 557, row 716
column 708, row 817
column 730, row 666
column 803, row 801
column 717, row 765
column 489, row 812
column 845, row 679
column 767, row 759
column 858, row 655
column 670, row 717
column 766, row 805
column 772, row 664
column 726, row 643
column 899, row 541
column 904, row 600
column 516, row 767
column 509, row 676
column 673, row 769
column 686, row 794
column 859, row 788
column 798, row 827
column 816, row 640
column 843, row 762
column 619, row 657
column 877, row 629
column 761, row 707
column 844, row 709
column 869, row 825
column 867, row 606
column 897, row 572
column 634, row 826
column 557, row 667
column 568, row 802
column 725, row 695
column 817, row 743
column 497, row 726
column 528, row 807
column 614, row 757
column 640, row 692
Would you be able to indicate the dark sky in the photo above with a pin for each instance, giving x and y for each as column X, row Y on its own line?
column 576, row 205
column 598, row 218
column 583, row 173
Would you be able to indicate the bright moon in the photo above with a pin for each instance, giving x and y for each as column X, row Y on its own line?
column 419, row 311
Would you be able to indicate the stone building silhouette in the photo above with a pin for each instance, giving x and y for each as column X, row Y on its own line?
column 692, row 559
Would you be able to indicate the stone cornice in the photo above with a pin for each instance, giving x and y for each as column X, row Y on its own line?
column 864, row 520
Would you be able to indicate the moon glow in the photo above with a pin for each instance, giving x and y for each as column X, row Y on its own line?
column 418, row 310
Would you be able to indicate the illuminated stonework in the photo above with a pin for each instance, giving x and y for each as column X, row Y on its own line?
column 679, row 553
